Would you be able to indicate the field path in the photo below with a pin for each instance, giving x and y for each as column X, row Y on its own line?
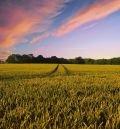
column 53, row 71
column 59, row 70
column 67, row 71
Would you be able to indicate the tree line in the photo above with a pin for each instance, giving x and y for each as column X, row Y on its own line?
column 30, row 58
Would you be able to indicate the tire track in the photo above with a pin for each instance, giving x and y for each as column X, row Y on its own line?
column 67, row 71
column 53, row 71
column 33, row 76
column 49, row 74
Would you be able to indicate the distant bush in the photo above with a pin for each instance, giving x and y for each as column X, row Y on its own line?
column 17, row 58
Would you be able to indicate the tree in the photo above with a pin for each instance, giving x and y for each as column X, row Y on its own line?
column 79, row 60
column 89, row 61
column 102, row 61
column 16, row 58
column 40, row 59
column 115, row 61
column 12, row 59
column 54, row 59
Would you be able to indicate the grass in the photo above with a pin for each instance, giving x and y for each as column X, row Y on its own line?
column 69, row 97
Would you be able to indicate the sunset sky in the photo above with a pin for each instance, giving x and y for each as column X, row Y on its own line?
column 63, row 28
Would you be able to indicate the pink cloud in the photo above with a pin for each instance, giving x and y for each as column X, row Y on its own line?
column 4, row 54
column 95, row 12
column 90, row 26
column 17, row 21
column 40, row 37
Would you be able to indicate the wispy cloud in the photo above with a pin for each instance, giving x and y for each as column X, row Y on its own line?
column 40, row 37
column 4, row 54
column 23, row 18
column 19, row 19
column 94, row 12
column 90, row 26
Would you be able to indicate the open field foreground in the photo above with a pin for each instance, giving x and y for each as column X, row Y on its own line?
column 34, row 96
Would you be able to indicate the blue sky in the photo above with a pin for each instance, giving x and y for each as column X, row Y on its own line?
column 63, row 28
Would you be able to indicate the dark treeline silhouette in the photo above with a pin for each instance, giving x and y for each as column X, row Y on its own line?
column 16, row 58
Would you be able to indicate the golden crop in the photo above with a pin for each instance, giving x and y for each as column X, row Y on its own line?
column 59, row 96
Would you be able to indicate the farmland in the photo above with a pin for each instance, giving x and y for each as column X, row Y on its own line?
column 51, row 96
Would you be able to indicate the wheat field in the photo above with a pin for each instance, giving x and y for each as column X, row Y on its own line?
column 51, row 96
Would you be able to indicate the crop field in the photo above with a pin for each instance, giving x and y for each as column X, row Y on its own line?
column 51, row 96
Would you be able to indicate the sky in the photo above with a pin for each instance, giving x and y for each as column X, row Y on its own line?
column 62, row 28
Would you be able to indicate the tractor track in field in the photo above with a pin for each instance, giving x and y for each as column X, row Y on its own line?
column 67, row 71
column 53, row 71
column 49, row 74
